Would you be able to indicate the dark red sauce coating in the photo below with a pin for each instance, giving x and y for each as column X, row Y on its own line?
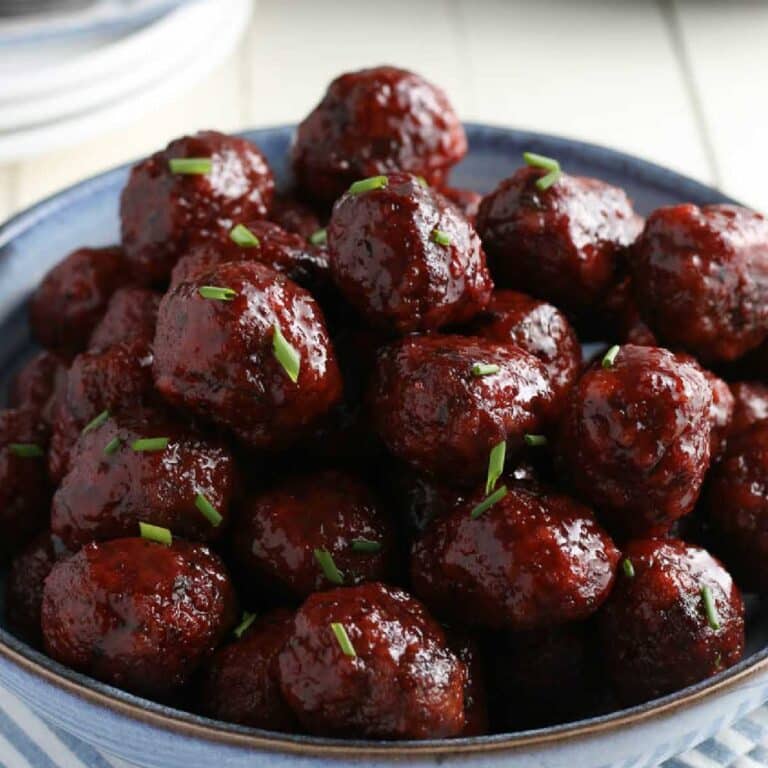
column 468, row 650
column 131, row 316
column 33, row 385
column 750, row 405
column 701, row 279
column 136, row 614
column 721, row 414
column 466, row 200
column 566, row 244
column 73, row 296
column 240, row 684
column 424, row 395
column 385, row 261
column 403, row 682
column 294, row 216
column 376, row 121
column 162, row 212
column 216, row 359
column 635, row 438
column 656, row 634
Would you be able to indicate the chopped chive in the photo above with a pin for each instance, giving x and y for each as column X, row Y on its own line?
column 343, row 639
column 112, row 446
column 489, row 501
column 209, row 511
column 365, row 545
column 440, row 237
column 545, row 163
column 367, row 185
column 216, row 292
column 546, row 181
column 150, row 444
column 609, row 358
column 495, row 465
column 247, row 620
column 320, row 237
column 26, row 450
column 287, row 355
column 484, row 369
column 325, row 560
column 196, row 166
column 535, row 441
column 710, row 608
column 96, row 423
column 422, row 182
column 155, row 533
column 628, row 568
column 241, row 235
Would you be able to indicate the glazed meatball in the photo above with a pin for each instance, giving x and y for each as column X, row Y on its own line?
column 135, row 614
column 278, row 533
column 701, row 279
column 405, row 258
column 538, row 328
column 721, row 414
column 131, row 316
column 221, row 359
column 24, row 489
column 750, row 405
column 376, row 121
column 294, row 216
column 116, row 480
column 635, row 438
column 533, row 559
column 675, row 618
column 466, row 200
column 241, row 683
column 396, row 680
column 163, row 210
column 73, row 296
column 566, row 244
column 33, row 386
column 425, row 395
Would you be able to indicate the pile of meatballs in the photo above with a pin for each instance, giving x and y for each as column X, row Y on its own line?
column 328, row 459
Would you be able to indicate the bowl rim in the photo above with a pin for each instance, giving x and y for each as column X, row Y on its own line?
column 122, row 703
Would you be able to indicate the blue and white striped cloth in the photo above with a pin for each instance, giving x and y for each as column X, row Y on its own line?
column 26, row 741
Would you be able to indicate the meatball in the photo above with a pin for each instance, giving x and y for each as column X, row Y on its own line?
column 163, row 209
column 395, row 679
column 73, row 296
column 24, row 489
column 135, row 614
column 33, row 385
column 635, row 437
column 675, row 617
column 294, row 216
column 701, row 279
column 117, row 479
column 131, row 316
column 258, row 361
column 241, row 683
column 565, row 244
column 750, row 405
column 466, row 200
column 538, row 328
column 533, row 559
column 376, row 121
column 721, row 414
column 425, row 394
column 405, row 258
column 279, row 532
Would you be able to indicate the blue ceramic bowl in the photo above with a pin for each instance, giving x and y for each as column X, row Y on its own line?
column 149, row 734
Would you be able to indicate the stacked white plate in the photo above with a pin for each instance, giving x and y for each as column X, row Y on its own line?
column 67, row 75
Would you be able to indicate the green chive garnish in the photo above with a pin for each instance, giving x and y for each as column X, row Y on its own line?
column 628, row 568
column 365, row 545
column 535, row 441
column 209, row 511
column 710, row 608
column 332, row 573
column 247, row 620
column 112, row 446
column 440, row 237
column 150, row 444
column 155, row 533
column 343, row 639
column 489, row 501
column 319, row 238
column 484, row 369
column 547, row 164
column 287, row 355
column 217, row 293
column 367, row 185
column 26, row 450
column 610, row 356
column 96, row 423
column 195, row 166
column 422, row 181
column 495, row 465
column 241, row 235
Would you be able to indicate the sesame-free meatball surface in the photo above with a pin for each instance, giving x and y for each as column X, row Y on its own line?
column 73, row 296
column 405, row 258
column 216, row 358
column 162, row 212
column 467, row 649
column 565, row 244
column 136, row 614
column 466, row 200
column 658, row 635
column 534, row 559
column 131, row 316
column 635, row 438
column 425, row 396
column 402, row 683
column 294, row 216
column 721, row 414
column 34, row 384
column 376, row 121
column 750, row 405
column 701, row 279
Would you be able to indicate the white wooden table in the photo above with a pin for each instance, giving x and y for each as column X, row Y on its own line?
column 680, row 82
